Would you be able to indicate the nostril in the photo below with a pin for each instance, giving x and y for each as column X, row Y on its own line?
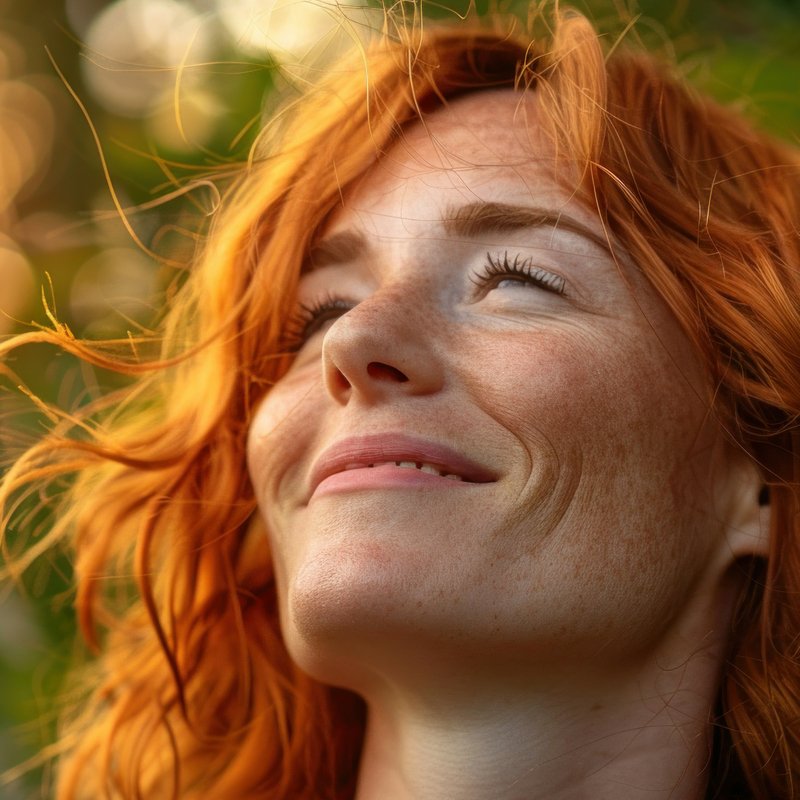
column 385, row 372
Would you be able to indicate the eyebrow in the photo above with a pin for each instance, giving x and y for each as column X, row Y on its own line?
column 477, row 219
column 338, row 248
column 467, row 221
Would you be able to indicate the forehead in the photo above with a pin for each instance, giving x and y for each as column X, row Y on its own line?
column 498, row 127
column 486, row 146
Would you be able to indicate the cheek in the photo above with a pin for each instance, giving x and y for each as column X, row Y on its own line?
column 277, row 440
column 650, row 470
column 626, row 435
column 616, row 398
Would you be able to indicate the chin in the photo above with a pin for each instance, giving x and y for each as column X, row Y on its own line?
column 336, row 605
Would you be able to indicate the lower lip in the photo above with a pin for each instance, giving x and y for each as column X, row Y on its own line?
column 384, row 477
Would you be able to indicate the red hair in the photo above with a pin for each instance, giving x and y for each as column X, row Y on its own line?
column 192, row 692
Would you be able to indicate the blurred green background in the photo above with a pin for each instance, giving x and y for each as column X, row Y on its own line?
column 131, row 64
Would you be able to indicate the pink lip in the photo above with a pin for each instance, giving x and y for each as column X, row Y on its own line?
column 345, row 465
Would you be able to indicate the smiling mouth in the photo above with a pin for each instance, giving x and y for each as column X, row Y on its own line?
column 393, row 459
column 431, row 469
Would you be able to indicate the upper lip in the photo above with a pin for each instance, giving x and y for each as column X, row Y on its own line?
column 380, row 448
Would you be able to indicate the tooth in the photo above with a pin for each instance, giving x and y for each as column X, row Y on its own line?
column 421, row 466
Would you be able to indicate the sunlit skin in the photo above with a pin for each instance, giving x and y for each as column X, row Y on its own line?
column 555, row 630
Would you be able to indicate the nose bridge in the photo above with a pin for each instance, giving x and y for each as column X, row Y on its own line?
column 404, row 302
column 384, row 344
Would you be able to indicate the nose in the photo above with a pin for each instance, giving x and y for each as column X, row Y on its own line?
column 383, row 347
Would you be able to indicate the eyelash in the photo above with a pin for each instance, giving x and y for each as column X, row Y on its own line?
column 308, row 319
column 497, row 268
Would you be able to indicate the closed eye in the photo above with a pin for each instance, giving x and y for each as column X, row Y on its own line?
column 502, row 269
column 312, row 319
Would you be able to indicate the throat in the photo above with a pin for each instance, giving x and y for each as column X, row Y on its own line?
column 548, row 745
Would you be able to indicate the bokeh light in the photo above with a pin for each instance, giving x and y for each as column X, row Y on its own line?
column 113, row 290
column 137, row 50
column 27, row 132
column 293, row 30
column 17, row 281
column 26, row 138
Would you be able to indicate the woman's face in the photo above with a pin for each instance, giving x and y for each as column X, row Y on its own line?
column 493, row 439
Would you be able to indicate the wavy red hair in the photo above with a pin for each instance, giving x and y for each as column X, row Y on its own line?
column 192, row 693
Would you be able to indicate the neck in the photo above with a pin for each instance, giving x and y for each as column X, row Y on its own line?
column 642, row 734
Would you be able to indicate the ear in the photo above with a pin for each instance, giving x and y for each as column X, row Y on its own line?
column 746, row 510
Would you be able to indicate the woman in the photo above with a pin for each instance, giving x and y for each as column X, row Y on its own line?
column 507, row 335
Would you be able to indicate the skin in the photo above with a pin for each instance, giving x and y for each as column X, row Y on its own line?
column 554, row 633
